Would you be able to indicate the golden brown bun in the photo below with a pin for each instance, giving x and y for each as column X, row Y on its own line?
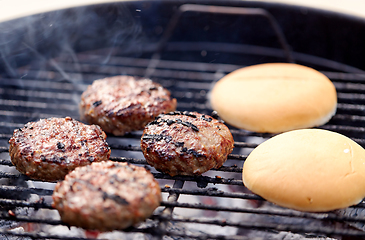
column 308, row 170
column 274, row 97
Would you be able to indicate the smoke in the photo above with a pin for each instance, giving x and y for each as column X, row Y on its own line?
column 39, row 54
column 64, row 32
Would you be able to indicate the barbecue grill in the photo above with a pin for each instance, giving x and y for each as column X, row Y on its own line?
column 48, row 59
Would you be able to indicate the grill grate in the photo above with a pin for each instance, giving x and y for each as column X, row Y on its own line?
column 213, row 206
column 219, row 193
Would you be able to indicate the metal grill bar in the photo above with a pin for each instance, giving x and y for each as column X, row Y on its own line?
column 173, row 204
column 38, row 235
column 176, row 190
column 289, row 228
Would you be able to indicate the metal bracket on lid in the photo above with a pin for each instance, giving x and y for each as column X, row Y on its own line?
column 217, row 10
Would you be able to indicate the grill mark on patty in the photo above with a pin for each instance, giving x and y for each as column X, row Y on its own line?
column 97, row 103
column 169, row 122
column 115, row 198
column 185, row 113
column 60, row 145
column 179, row 144
column 191, row 151
column 156, row 137
column 188, row 124
column 159, row 137
column 105, row 195
column 208, row 119
column 127, row 110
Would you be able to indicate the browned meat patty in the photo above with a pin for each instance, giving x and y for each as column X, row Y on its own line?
column 107, row 196
column 186, row 143
column 123, row 104
column 50, row 148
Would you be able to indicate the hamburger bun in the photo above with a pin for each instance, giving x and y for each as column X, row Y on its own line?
column 308, row 170
column 274, row 98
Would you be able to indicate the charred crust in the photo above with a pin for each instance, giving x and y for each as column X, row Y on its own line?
column 115, row 198
column 154, row 122
column 189, row 114
column 215, row 115
column 150, row 137
column 191, row 151
column 118, row 199
column 127, row 111
column 60, row 145
column 97, row 103
column 171, row 113
column 208, row 119
column 179, row 144
column 110, row 113
column 169, row 122
column 189, row 124
column 156, row 137
column 128, row 166
column 185, row 113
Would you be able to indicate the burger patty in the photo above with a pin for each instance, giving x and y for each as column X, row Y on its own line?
column 186, row 143
column 122, row 104
column 106, row 196
column 50, row 148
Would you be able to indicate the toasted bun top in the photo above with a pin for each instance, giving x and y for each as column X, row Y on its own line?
column 274, row 97
column 309, row 170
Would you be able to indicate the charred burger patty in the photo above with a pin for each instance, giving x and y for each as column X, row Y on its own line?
column 186, row 143
column 107, row 196
column 50, row 148
column 122, row 104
